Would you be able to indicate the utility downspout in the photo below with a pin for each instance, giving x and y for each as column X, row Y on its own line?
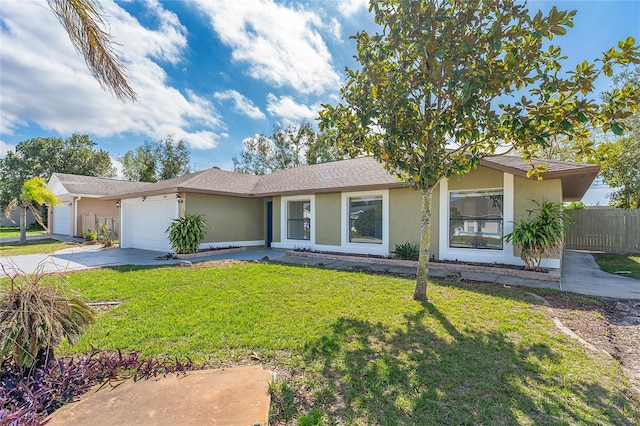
column 75, row 214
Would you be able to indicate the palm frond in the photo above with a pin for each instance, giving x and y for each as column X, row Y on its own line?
column 84, row 24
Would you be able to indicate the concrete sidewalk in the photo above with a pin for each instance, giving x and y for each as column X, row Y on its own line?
column 581, row 274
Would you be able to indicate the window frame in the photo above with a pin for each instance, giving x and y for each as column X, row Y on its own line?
column 477, row 220
column 378, row 249
column 285, row 241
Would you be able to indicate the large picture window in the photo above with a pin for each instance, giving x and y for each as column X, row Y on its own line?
column 299, row 220
column 476, row 219
column 365, row 219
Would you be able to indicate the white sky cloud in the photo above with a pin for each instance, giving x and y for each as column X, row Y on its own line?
column 281, row 46
column 241, row 103
column 349, row 7
column 56, row 91
column 6, row 147
column 285, row 107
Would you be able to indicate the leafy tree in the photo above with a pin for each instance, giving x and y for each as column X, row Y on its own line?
column 446, row 83
column 173, row 159
column 620, row 168
column 34, row 193
column 43, row 156
column 84, row 23
column 289, row 146
column 153, row 161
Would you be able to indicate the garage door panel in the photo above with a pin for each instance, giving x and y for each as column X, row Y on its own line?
column 62, row 219
column 146, row 223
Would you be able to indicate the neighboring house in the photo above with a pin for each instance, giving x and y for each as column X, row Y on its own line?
column 351, row 206
column 82, row 202
column 14, row 218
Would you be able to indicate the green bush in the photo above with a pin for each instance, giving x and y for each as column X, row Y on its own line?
column 541, row 234
column 107, row 240
column 186, row 233
column 35, row 315
column 90, row 235
column 406, row 251
column 575, row 205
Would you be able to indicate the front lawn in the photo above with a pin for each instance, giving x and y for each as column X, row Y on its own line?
column 14, row 231
column 44, row 246
column 620, row 262
column 357, row 348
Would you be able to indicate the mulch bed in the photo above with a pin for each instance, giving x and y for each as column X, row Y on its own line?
column 612, row 325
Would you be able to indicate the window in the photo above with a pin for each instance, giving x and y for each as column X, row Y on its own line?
column 476, row 219
column 365, row 219
column 299, row 220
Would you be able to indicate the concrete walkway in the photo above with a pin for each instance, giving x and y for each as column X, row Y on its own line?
column 237, row 396
column 581, row 274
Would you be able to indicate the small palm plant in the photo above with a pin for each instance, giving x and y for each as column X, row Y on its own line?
column 35, row 315
column 541, row 234
column 186, row 233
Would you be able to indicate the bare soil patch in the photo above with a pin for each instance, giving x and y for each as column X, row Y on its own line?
column 612, row 325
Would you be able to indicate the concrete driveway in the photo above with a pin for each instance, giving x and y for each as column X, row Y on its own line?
column 581, row 274
column 87, row 257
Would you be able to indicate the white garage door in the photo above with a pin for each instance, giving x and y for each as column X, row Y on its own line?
column 144, row 223
column 62, row 219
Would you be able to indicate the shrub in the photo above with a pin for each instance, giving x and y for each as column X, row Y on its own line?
column 107, row 241
column 27, row 399
column 541, row 234
column 90, row 235
column 36, row 313
column 575, row 205
column 406, row 251
column 186, row 233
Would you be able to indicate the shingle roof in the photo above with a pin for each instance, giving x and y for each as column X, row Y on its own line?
column 357, row 174
column 96, row 186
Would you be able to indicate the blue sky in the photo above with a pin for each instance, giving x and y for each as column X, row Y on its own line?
column 213, row 73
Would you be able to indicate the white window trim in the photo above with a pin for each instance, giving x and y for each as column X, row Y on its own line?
column 284, row 212
column 482, row 255
column 364, row 248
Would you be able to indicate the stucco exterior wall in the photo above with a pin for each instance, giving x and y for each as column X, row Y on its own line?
column 479, row 178
column 328, row 219
column 230, row 219
column 404, row 216
column 527, row 190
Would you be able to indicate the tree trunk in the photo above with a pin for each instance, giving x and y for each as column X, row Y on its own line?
column 422, row 275
column 23, row 225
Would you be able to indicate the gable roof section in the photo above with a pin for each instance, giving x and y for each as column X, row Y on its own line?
column 575, row 177
column 354, row 174
column 91, row 186
column 357, row 174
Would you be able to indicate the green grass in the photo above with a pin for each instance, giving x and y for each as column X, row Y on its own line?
column 364, row 350
column 14, row 231
column 44, row 246
column 620, row 262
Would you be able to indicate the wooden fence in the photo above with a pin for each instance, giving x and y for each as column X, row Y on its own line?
column 606, row 230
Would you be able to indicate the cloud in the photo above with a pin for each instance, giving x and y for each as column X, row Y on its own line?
column 350, row 7
column 280, row 45
column 242, row 104
column 6, row 147
column 285, row 107
column 56, row 91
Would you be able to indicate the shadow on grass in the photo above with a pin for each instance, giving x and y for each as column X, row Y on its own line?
column 429, row 372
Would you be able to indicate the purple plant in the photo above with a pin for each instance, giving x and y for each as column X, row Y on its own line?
column 26, row 398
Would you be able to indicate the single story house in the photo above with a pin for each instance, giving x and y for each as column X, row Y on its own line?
column 82, row 202
column 350, row 206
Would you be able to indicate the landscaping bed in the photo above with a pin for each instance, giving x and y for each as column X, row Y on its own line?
column 509, row 270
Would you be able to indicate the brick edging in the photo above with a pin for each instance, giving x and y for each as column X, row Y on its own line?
column 458, row 267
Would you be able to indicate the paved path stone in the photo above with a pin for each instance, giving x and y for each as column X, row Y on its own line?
column 235, row 396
